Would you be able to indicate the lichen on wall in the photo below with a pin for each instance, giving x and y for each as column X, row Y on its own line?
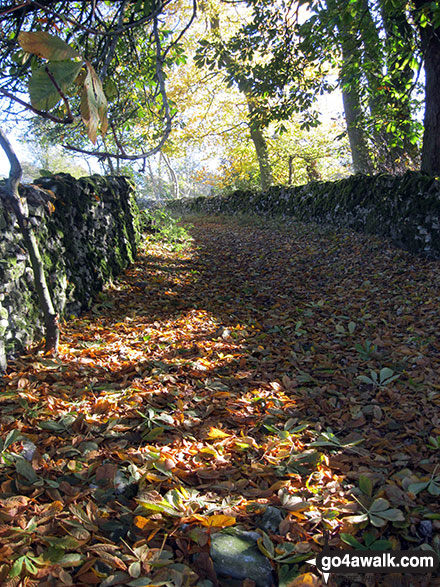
column 405, row 209
column 88, row 231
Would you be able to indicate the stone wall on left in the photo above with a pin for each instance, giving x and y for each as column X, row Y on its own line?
column 88, row 231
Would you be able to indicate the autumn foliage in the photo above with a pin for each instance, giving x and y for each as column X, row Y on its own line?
column 207, row 383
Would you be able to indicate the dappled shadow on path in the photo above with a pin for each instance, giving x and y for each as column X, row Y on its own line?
column 231, row 370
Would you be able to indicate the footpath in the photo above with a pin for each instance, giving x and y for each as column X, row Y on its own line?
column 224, row 411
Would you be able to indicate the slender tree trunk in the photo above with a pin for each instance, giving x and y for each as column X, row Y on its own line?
column 290, row 180
column 356, row 136
column 351, row 93
column 20, row 209
column 261, row 149
column 256, row 132
column 431, row 136
column 173, row 176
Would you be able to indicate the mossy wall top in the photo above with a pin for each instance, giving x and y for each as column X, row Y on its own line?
column 87, row 230
column 405, row 208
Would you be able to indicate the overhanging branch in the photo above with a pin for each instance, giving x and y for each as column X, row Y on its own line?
column 67, row 120
column 122, row 155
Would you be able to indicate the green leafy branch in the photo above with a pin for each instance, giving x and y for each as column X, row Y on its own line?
column 63, row 68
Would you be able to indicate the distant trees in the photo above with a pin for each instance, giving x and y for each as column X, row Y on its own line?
column 281, row 56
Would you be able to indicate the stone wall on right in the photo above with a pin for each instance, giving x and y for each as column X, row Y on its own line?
column 405, row 209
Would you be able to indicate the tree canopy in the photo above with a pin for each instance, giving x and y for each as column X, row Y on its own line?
column 115, row 67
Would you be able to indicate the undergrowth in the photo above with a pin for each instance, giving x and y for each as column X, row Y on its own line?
column 165, row 228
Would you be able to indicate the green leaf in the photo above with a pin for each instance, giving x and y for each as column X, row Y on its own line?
column 416, row 488
column 434, row 487
column 26, row 470
column 381, row 545
column 266, row 546
column 369, row 538
column 393, row 515
column 366, row 379
column 45, row 45
column 30, row 567
column 11, row 437
column 366, row 485
column 17, row 567
column 379, row 505
column 350, row 540
column 43, row 93
column 377, row 521
column 386, row 373
column 141, row 582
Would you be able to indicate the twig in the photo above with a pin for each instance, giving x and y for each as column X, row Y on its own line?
column 58, row 89
column 183, row 31
column 166, row 108
column 46, row 115
column 93, row 31
column 113, row 43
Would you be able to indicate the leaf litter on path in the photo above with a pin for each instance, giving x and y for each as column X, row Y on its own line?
column 255, row 369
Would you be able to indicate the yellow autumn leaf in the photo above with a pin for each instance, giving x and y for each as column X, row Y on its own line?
column 305, row 580
column 215, row 521
column 216, row 433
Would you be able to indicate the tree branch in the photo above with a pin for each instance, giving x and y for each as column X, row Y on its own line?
column 68, row 120
column 113, row 43
column 93, row 31
column 183, row 31
column 16, row 171
column 166, row 109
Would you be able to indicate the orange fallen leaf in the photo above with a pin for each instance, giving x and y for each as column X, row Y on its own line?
column 215, row 521
column 305, row 580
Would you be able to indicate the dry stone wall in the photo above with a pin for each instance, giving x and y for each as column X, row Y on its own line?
column 88, row 232
column 405, row 209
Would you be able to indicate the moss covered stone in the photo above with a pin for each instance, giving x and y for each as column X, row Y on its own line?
column 405, row 209
column 88, row 230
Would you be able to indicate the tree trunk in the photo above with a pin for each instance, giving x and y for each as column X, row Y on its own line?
column 356, row 135
column 20, row 209
column 256, row 132
column 431, row 136
column 173, row 176
column 290, row 180
column 312, row 170
column 261, row 150
column 350, row 83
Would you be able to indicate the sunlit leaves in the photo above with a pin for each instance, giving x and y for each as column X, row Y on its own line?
column 46, row 45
